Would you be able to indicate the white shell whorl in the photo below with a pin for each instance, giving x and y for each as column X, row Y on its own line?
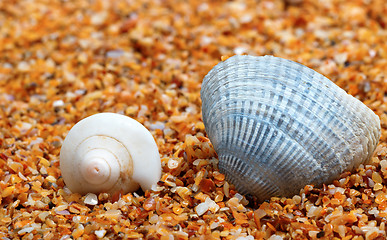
column 109, row 152
column 278, row 125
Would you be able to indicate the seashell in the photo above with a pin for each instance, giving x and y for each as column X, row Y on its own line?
column 109, row 152
column 278, row 125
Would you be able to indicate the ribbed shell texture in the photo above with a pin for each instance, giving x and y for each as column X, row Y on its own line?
column 278, row 125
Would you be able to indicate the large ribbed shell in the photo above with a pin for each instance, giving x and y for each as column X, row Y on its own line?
column 278, row 125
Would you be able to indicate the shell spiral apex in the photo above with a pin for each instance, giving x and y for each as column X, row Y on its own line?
column 109, row 152
column 278, row 125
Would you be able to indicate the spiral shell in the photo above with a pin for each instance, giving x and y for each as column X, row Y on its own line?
column 109, row 152
column 278, row 125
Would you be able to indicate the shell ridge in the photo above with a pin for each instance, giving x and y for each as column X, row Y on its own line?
column 259, row 147
column 215, row 103
column 274, row 177
column 266, row 113
column 342, row 124
column 329, row 86
column 321, row 151
column 231, row 166
column 245, row 128
column 336, row 98
column 370, row 117
column 342, row 101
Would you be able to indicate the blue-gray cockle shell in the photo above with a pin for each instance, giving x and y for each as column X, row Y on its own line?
column 278, row 125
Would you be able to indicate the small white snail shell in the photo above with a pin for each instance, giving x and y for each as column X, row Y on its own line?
column 109, row 152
